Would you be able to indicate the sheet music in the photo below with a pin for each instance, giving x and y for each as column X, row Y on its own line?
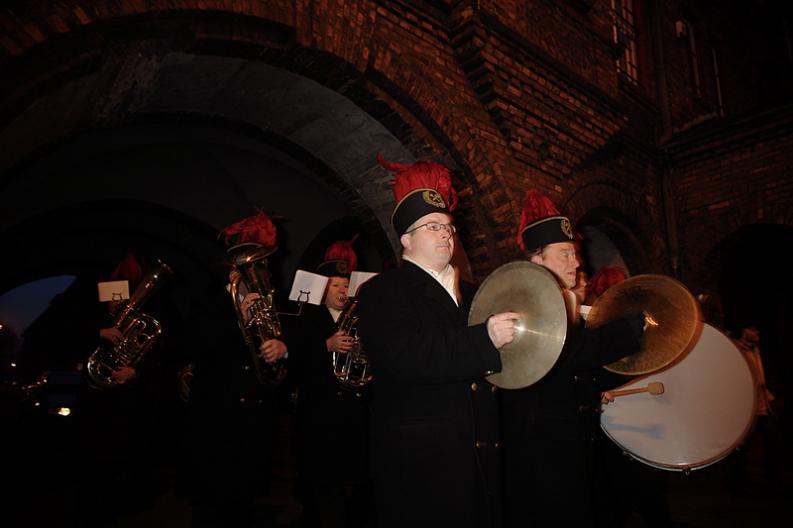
column 308, row 287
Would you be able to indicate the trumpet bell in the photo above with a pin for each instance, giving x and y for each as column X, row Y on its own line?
column 675, row 320
column 533, row 292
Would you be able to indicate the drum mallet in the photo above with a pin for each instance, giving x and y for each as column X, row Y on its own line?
column 655, row 388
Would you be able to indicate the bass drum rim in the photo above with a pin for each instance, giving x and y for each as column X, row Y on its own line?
column 707, row 330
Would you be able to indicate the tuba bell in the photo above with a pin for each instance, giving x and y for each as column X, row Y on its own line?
column 250, row 260
column 139, row 331
column 351, row 368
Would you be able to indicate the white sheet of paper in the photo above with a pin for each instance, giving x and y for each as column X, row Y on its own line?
column 584, row 311
column 308, row 287
column 113, row 291
column 356, row 279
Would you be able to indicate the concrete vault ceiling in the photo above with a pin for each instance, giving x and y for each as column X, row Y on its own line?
column 206, row 137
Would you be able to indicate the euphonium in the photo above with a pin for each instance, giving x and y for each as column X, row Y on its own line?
column 139, row 332
column 351, row 368
column 250, row 261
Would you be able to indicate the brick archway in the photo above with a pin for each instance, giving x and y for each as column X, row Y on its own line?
column 92, row 69
column 749, row 282
column 605, row 207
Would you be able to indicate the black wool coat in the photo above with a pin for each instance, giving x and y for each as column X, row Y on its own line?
column 230, row 415
column 549, row 429
column 332, row 420
column 435, row 459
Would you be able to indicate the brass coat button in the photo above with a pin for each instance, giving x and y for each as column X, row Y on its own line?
column 474, row 386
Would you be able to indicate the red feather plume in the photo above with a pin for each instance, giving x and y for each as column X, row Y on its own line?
column 536, row 205
column 421, row 175
column 257, row 228
column 128, row 269
column 342, row 250
column 604, row 279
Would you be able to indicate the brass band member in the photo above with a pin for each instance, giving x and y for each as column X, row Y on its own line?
column 435, row 434
column 332, row 421
column 231, row 413
column 117, row 426
column 549, row 427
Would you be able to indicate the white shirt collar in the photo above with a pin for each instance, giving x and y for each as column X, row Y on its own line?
column 334, row 313
column 446, row 277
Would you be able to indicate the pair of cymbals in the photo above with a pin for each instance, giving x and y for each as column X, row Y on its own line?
column 534, row 293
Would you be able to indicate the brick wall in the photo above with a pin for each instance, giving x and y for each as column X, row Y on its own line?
column 512, row 94
column 722, row 181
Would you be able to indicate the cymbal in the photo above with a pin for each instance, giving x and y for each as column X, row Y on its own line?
column 533, row 292
column 671, row 306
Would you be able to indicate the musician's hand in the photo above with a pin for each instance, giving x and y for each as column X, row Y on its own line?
column 247, row 302
column 606, row 397
column 111, row 334
column 339, row 342
column 501, row 328
column 272, row 350
column 649, row 321
column 124, row 374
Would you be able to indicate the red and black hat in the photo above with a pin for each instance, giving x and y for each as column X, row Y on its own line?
column 340, row 259
column 605, row 278
column 130, row 268
column 420, row 188
column 257, row 229
column 541, row 224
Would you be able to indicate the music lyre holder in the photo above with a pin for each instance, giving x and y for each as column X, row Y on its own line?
column 300, row 302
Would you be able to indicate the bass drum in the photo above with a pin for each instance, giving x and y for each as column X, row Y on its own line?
column 705, row 412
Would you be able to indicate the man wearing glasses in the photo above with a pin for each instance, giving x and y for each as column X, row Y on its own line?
column 435, row 449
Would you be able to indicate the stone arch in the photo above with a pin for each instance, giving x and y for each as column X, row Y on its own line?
column 131, row 79
column 603, row 207
column 749, row 281
column 615, row 227
column 706, row 237
column 66, row 237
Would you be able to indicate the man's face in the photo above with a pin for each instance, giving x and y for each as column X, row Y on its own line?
column 336, row 292
column 559, row 258
column 432, row 249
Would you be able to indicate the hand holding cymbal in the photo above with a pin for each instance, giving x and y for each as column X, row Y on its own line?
column 530, row 306
column 671, row 320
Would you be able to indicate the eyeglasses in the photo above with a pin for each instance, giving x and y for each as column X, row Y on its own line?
column 435, row 226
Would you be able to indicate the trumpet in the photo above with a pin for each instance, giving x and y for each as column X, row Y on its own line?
column 351, row 368
column 251, row 262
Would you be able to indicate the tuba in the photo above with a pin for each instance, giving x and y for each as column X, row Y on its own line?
column 351, row 368
column 251, row 262
column 139, row 332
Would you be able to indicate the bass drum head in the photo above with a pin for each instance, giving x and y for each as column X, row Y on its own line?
column 705, row 412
